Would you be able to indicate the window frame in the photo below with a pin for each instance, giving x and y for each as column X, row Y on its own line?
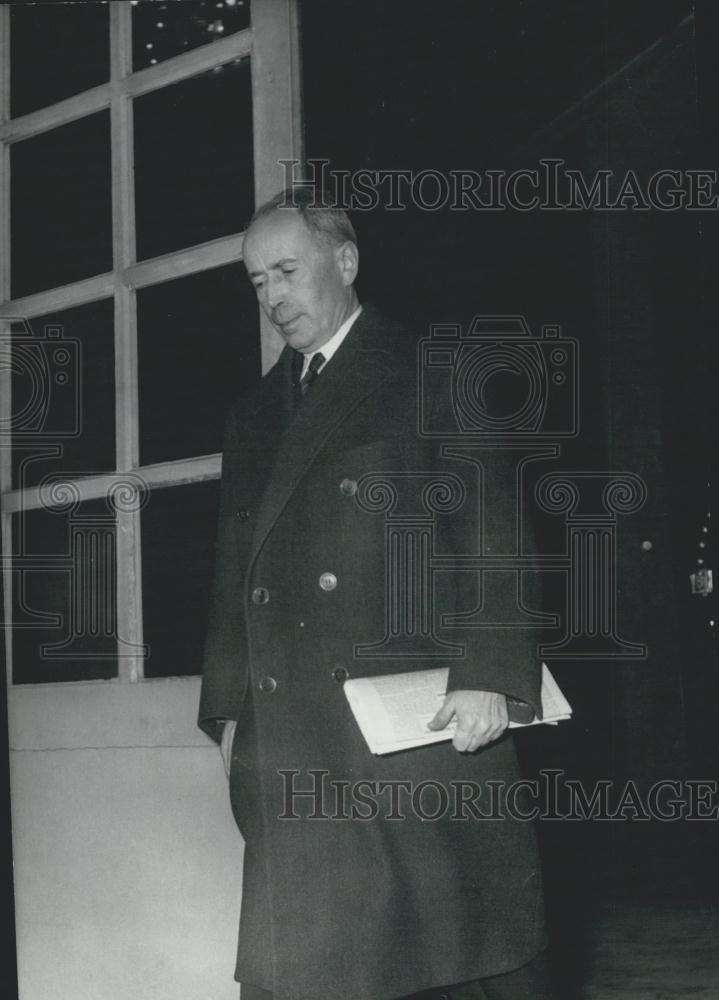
column 272, row 45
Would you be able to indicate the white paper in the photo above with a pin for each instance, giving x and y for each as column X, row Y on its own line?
column 393, row 711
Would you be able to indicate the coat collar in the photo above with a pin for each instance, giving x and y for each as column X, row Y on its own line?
column 363, row 362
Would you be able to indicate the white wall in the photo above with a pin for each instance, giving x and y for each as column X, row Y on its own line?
column 127, row 858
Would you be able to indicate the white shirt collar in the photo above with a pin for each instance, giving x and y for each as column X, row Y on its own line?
column 333, row 343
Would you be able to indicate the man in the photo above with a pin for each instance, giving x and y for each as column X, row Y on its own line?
column 362, row 901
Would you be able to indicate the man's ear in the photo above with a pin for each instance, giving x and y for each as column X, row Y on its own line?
column 347, row 257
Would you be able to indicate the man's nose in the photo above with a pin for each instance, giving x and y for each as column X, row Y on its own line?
column 275, row 294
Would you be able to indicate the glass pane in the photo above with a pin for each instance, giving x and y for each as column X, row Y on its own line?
column 63, row 394
column 64, row 587
column 163, row 30
column 61, row 221
column 178, row 536
column 57, row 50
column 198, row 347
column 193, row 160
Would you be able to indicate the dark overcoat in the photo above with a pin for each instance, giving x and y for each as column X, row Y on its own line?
column 360, row 890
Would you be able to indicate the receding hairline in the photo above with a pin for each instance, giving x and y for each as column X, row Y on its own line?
column 327, row 224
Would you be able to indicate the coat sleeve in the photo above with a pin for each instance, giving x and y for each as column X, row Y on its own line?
column 224, row 667
column 493, row 519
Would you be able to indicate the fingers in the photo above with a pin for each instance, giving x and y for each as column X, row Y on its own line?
column 444, row 715
column 226, row 744
column 481, row 719
column 473, row 732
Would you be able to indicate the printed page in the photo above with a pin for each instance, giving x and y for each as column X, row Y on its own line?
column 393, row 711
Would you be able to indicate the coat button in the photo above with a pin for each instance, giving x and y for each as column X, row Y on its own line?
column 260, row 595
column 340, row 674
column 243, row 514
column 348, row 487
column 267, row 685
column 328, row 581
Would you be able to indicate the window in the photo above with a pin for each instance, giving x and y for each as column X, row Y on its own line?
column 127, row 326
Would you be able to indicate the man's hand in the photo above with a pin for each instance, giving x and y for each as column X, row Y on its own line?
column 481, row 718
column 228, row 734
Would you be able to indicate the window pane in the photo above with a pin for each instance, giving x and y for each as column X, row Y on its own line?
column 162, row 30
column 193, row 160
column 63, row 388
column 64, row 582
column 57, row 50
column 199, row 347
column 61, row 221
column 178, row 536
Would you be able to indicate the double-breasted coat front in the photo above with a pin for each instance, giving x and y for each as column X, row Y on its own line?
column 362, row 888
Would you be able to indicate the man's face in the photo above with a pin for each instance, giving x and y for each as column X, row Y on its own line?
column 302, row 285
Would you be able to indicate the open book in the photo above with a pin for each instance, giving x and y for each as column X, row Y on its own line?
column 393, row 711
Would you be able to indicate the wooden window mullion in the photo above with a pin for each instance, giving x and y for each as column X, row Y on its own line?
column 5, row 376
column 128, row 535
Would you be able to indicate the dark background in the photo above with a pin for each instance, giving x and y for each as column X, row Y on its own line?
column 458, row 85
column 499, row 85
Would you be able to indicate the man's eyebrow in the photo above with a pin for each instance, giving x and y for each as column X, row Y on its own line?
column 274, row 266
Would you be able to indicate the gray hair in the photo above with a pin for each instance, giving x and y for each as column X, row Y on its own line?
column 327, row 223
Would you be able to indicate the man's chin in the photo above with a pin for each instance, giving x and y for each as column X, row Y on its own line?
column 296, row 338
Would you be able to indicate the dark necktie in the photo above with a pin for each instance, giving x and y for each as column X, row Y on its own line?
column 312, row 372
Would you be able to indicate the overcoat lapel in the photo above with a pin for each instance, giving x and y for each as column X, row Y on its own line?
column 359, row 367
column 273, row 405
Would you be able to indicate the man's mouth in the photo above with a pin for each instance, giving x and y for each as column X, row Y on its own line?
column 288, row 327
